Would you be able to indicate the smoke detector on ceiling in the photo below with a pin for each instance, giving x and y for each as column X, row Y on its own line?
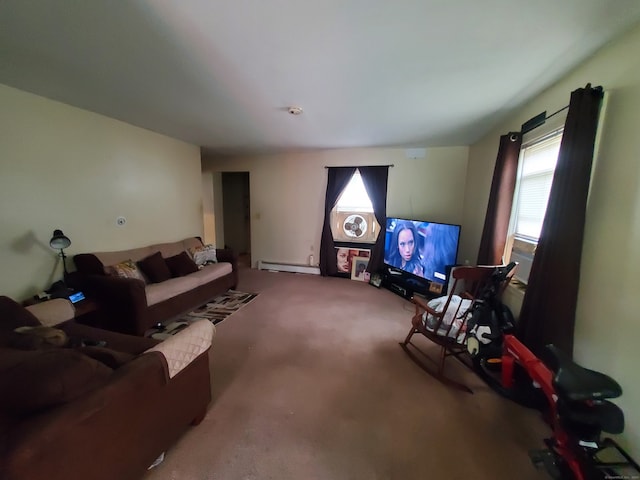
column 294, row 110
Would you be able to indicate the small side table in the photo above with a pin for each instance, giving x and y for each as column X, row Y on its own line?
column 88, row 312
column 85, row 308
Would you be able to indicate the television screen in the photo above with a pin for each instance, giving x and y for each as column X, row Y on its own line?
column 423, row 249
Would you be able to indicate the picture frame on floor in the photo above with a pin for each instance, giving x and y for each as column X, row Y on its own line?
column 376, row 280
column 359, row 269
column 345, row 258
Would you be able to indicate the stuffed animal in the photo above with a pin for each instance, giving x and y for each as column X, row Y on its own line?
column 34, row 338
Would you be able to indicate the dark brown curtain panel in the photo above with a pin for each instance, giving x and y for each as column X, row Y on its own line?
column 503, row 185
column 549, row 306
column 337, row 180
column 375, row 182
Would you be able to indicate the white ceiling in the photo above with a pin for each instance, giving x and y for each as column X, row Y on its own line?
column 221, row 74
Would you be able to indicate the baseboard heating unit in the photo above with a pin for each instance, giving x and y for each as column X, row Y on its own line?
column 287, row 267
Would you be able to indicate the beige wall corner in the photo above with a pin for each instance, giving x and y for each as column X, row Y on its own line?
column 288, row 190
column 63, row 167
column 607, row 326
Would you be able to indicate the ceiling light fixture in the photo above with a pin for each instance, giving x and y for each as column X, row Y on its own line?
column 294, row 110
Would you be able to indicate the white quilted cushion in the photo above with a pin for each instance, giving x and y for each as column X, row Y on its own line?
column 180, row 349
column 53, row 312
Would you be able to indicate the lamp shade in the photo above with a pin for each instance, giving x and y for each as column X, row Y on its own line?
column 59, row 240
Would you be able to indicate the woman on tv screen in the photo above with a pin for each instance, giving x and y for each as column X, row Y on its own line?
column 424, row 249
column 439, row 249
column 403, row 253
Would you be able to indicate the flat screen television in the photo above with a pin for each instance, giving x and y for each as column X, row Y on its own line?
column 419, row 248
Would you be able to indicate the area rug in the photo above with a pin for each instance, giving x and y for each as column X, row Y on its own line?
column 215, row 311
column 221, row 307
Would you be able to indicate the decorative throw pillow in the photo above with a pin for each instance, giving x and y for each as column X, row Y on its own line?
column 126, row 269
column 181, row 265
column 88, row 263
column 155, row 268
column 203, row 254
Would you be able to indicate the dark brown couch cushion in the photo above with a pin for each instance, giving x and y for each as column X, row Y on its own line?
column 35, row 380
column 120, row 342
column 35, row 338
column 111, row 358
column 88, row 263
column 181, row 265
column 14, row 315
column 155, row 268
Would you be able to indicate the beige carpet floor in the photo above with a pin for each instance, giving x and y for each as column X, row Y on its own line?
column 309, row 382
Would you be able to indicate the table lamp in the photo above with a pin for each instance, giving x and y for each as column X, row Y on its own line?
column 59, row 242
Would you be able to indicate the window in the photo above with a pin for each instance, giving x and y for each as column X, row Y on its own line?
column 354, row 198
column 537, row 165
column 352, row 219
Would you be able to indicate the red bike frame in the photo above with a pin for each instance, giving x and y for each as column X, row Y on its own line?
column 514, row 351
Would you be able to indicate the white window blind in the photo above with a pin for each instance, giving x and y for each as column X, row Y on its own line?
column 537, row 165
column 354, row 198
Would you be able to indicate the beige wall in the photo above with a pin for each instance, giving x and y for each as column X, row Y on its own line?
column 62, row 167
column 287, row 193
column 208, row 210
column 607, row 320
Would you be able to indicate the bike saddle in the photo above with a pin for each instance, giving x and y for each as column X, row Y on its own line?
column 587, row 420
column 575, row 383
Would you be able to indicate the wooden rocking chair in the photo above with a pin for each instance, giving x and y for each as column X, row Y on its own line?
column 444, row 320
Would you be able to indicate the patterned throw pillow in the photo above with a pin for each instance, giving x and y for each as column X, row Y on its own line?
column 203, row 254
column 126, row 269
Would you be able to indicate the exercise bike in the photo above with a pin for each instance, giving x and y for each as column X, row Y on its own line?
column 573, row 399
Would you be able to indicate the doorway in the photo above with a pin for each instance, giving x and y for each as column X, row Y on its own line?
column 237, row 214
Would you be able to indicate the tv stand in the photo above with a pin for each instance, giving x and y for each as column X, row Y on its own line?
column 405, row 286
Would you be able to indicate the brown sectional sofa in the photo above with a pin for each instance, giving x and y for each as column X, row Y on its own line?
column 70, row 412
column 132, row 306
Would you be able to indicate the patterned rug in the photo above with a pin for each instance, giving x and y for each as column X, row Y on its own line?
column 221, row 307
column 215, row 311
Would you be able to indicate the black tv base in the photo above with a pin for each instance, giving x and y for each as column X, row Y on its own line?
column 406, row 286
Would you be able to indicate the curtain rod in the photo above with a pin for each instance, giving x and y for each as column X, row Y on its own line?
column 538, row 120
column 391, row 165
column 558, row 111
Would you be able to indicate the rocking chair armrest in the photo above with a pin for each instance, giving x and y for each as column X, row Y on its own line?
column 419, row 301
column 422, row 305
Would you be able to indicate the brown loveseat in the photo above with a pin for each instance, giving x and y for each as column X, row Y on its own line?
column 99, row 413
column 131, row 305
